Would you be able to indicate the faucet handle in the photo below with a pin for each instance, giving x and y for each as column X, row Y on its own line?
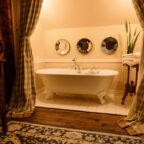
column 74, row 58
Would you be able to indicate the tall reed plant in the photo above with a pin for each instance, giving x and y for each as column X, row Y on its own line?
column 131, row 37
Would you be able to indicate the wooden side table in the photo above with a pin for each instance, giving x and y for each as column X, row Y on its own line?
column 3, row 110
column 130, row 87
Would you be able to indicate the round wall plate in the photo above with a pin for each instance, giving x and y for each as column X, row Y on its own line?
column 62, row 47
column 84, row 46
column 109, row 45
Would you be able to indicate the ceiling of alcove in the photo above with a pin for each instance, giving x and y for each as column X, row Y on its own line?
column 85, row 13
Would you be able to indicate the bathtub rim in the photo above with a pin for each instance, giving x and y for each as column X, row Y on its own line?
column 39, row 72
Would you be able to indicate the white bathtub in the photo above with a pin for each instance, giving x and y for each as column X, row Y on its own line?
column 69, row 81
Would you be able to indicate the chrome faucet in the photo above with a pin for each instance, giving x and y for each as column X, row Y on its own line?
column 76, row 64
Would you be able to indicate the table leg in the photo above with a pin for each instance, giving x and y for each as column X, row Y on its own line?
column 127, row 87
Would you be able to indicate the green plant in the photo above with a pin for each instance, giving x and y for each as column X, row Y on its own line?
column 131, row 38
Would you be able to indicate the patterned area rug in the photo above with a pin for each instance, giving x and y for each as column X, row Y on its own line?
column 27, row 133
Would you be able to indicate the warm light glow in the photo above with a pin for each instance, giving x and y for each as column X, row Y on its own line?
column 47, row 7
column 44, row 4
column 85, row 13
column 124, row 3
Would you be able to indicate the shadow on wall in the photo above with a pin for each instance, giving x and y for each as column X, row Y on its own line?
column 38, row 82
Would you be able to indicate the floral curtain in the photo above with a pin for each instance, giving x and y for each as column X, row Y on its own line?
column 23, row 98
column 134, row 122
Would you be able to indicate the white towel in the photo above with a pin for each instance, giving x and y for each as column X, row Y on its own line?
column 131, row 59
column 131, row 62
column 131, row 55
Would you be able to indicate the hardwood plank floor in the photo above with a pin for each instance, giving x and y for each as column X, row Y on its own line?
column 76, row 119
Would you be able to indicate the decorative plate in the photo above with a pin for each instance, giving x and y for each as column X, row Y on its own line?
column 62, row 47
column 84, row 45
column 109, row 45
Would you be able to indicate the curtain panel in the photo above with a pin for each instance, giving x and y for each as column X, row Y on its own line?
column 23, row 98
column 134, row 122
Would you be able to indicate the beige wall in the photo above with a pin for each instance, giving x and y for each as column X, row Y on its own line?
column 45, row 56
column 75, row 19
column 86, row 13
column 43, row 42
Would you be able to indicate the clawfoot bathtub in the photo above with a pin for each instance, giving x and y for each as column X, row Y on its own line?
column 68, row 81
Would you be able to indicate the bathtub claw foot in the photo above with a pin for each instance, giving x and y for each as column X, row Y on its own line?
column 101, row 96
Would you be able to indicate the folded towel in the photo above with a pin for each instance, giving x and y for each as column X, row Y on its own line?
column 130, row 59
column 131, row 62
column 131, row 55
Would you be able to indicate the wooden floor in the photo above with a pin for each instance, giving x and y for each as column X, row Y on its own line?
column 76, row 119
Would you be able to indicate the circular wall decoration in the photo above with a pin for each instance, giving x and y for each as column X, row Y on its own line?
column 84, row 45
column 109, row 45
column 62, row 47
